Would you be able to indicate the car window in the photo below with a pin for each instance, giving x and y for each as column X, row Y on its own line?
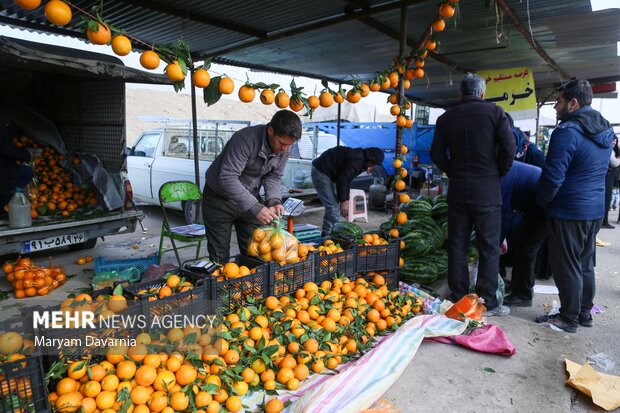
column 177, row 145
column 146, row 145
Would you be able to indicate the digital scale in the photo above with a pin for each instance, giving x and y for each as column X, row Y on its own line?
column 306, row 233
column 202, row 267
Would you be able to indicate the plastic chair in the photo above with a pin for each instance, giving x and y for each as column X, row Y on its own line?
column 354, row 214
column 194, row 234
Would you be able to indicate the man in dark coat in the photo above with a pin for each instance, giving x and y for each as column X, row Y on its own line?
column 519, row 188
column 332, row 173
column 474, row 146
column 572, row 190
column 14, row 173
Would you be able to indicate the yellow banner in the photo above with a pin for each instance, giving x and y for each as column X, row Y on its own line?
column 512, row 89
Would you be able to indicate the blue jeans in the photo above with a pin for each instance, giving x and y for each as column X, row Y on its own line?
column 326, row 190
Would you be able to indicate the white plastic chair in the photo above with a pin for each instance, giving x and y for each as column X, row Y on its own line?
column 354, row 214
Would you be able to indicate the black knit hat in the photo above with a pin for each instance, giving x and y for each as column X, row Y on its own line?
column 374, row 155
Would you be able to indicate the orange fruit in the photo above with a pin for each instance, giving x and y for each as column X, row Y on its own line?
column 126, row 369
column 186, row 375
column 105, row 400
column 419, row 72
column 267, row 96
column 91, row 389
column 10, row 343
column 231, row 357
column 365, row 90
column 174, row 71
column 296, row 104
column 399, row 185
column 140, row 395
column 439, row 25
column 102, row 36
column 338, row 98
column 226, row 85
column 301, row 372
column 110, row 382
column 145, row 375
column 446, row 10
column 246, row 94
column 401, row 121
column 164, row 380
column 404, row 198
column 233, row 404
column 121, row 45
column 203, row 399
column 274, row 406
column 97, row 372
column 230, row 270
column 395, row 110
column 58, row 12
column 326, row 99
column 313, row 102
column 201, row 78
column 148, row 59
column 430, row 44
column 66, row 385
column 353, row 97
column 77, row 370
column 282, row 100
column 69, row 402
column 28, row 4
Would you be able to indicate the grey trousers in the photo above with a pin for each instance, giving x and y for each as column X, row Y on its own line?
column 571, row 259
column 219, row 216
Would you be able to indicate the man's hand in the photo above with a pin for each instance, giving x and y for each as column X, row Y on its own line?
column 504, row 247
column 344, row 209
column 277, row 209
column 266, row 215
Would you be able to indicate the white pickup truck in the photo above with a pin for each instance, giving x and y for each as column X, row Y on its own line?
column 167, row 154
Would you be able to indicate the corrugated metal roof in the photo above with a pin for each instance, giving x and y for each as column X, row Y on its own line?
column 336, row 38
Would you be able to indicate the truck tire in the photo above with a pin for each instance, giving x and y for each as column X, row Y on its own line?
column 189, row 211
column 90, row 244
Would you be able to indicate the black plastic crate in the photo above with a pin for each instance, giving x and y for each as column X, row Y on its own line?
column 226, row 294
column 340, row 263
column 289, row 278
column 191, row 302
column 377, row 257
column 22, row 388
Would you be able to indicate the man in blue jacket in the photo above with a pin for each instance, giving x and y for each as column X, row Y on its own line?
column 572, row 190
column 519, row 188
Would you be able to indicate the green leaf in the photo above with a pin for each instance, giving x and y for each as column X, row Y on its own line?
column 210, row 388
column 489, row 370
column 93, row 26
column 271, row 350
column 212, row 94
column 118, row 290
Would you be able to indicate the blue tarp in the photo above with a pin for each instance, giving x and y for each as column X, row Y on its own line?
column 382, row 135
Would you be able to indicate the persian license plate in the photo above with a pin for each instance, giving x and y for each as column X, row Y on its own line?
column 53, row 242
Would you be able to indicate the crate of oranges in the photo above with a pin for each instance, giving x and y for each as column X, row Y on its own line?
column 22, row 388
column 30, row 280
column 333, row 259
column 180, row 292
column 235, row 283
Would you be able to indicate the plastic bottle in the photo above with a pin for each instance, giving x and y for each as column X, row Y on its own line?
column 19, row 210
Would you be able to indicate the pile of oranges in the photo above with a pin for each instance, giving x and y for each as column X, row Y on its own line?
column 271, row 344
column 173, row 285
column 232, row 270
column 30, row 280
column 55, row 193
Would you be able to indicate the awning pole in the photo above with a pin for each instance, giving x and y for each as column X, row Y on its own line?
column 401, row 93
column 338, row 122
column 197, row 218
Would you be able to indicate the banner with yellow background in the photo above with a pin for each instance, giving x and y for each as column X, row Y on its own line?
column 512, row 89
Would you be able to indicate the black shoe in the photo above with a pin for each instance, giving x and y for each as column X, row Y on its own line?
column 557, row 322
column 513, row 300
column 586, row 320
column 608, row 226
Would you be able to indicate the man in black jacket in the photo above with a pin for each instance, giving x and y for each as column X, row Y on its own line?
column 332, row 173
column 474, row 146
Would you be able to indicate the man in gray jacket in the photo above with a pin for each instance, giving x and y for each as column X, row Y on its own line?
column 255, row 156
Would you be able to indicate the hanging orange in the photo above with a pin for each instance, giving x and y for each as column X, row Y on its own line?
column 246, row 93
column 149, row 60
column 326, row 99
column 430, row 44
column 353, row 97
column 338, row 98
column 226, row 86
column 313, row 102
column 58, row 12
column 267, row 96
column 28, row 4
column 201, row 78
column 282, row 100
column 401, row 121
column 365, row 90
column 446, row 10
column 121, row 45
column 296, row 104
column 102, row 36
column 439, row 25
column 174, row 72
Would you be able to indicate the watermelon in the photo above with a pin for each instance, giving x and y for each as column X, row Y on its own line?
column 347, row 230
column 440, row 198
column 439, row 210
column 422, row 272
column 418, row 208
column 428, row 225
column 417, row 244
column 405, row 228
column 426, row 198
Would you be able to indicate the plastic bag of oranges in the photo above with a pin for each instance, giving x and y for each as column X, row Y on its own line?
column 273, row 243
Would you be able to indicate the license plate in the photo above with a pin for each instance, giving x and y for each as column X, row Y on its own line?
column 53, row 242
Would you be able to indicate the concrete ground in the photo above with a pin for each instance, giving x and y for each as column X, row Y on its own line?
column 441, row 377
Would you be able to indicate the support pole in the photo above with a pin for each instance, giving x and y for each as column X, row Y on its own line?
column 338, row 121
column 401, row 93
column 197, row 218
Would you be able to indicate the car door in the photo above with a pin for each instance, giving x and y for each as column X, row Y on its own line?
column 139, row 166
